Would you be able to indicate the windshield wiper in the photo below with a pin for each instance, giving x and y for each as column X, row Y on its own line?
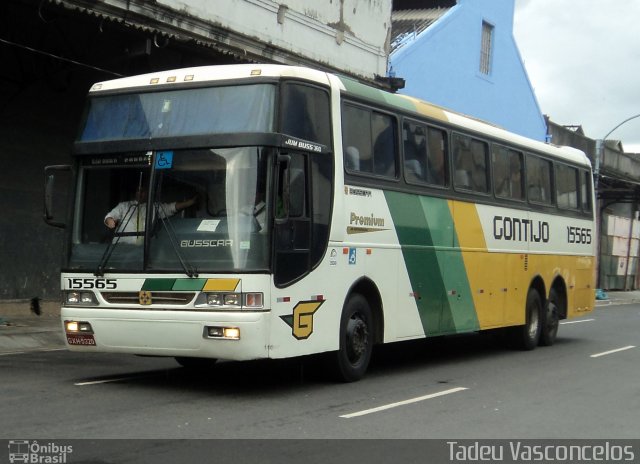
column 99, row 272
column 189, row 270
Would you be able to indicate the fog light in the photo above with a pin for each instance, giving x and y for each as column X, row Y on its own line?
column 77, row 326
column 71, row 326
column 215, row 332
column 232, row 333
column 225, row 333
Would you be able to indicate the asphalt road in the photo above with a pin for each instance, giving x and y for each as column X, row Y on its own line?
column 467, row 387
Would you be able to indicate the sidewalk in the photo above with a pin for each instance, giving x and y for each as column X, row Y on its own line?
column 21, row 330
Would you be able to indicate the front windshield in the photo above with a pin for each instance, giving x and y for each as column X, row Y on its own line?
column 208, row 212
column 186, row 112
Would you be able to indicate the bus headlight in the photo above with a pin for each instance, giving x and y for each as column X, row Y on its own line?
column 80, row 298
column 232, row 299
column 254, row 300
column 214, row 299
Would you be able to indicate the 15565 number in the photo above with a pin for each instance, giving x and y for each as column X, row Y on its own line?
column 579, row 235
column 99, row 284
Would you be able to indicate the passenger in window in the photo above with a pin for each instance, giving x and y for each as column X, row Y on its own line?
column 130, row 216
column 436, row 168
column 413, row 166
column 511, row 186
column 384, row 152
column 352, row 158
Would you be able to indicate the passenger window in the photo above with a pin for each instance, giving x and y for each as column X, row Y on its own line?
column 306, row 113
column 508, row 166
column 369, row 141
column 414, row 145
column 539, row 180
column 585, row 191
column 470, row 164
column 567, row 187
column 424, row 154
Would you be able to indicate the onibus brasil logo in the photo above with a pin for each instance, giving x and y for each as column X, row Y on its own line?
column 30, row 451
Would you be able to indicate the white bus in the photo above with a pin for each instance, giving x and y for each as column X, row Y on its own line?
column 297, row 212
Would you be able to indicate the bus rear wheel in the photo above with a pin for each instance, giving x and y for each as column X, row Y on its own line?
column 527, row 336
column 551, row 320
column 356, row 339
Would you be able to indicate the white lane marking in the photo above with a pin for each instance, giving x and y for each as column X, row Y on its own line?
column 115, row 379
column 402, row 403
column 577, row 322
column 43, row 350
column 597, row 355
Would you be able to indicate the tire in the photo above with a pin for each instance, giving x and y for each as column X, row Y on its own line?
column 196, row 363
column 356, row 340
column 550, row 320
column 527, row 336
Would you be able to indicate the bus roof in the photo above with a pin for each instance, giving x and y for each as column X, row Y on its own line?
column 210, row 74
column 349, row 87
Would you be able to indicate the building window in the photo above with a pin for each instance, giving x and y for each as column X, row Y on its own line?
column 486, row 48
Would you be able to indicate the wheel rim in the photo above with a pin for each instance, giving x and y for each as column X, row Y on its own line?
column 357, row 339
column 534, row 321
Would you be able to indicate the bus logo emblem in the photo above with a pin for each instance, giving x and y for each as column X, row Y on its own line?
column 144, row 298
column 301, row 321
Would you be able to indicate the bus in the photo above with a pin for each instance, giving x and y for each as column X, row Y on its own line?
column 296, row 212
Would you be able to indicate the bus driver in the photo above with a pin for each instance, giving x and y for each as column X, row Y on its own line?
column 129, row 216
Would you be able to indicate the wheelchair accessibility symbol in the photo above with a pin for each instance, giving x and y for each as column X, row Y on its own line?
column 164, row 159
column 352, row 256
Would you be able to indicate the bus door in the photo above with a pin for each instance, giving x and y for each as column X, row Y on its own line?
column 292, row 238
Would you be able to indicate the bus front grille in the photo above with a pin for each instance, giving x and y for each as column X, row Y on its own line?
column 149, row 298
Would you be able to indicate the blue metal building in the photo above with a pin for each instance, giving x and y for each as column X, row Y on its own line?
column 464, row 56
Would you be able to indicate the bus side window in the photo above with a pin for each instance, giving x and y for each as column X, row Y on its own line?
column 462, row 162
column 306, row 113
column 437, row 157
column 479, row 154
column 585, row 191
column 539, row 180
column 507, row 172
column 384, row 146
column 369, row 141
column 414, row 159
column 356, row 138
column 567, row 187
column 470, row 161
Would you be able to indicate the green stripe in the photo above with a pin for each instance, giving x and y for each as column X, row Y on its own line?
column 189, row 284
column 158, row 285
column 357, row 89
column 426, row 234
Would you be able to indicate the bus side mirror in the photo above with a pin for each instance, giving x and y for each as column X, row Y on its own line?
column 56, row 190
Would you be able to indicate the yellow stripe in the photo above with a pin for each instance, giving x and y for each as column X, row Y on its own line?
column 221, row 285
column 499, row 282
column 428, row 109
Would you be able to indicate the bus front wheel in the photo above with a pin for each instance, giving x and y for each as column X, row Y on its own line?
column 356, row 339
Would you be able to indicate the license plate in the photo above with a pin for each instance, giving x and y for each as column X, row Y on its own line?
column 81, row 339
